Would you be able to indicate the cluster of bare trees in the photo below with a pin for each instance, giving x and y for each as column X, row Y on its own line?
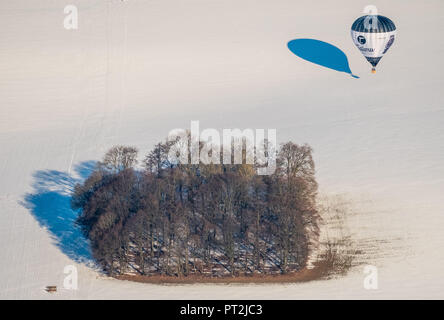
column 211, row 220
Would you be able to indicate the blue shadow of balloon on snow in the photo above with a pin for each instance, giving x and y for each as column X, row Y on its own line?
column 321, row 53
column 50, row 204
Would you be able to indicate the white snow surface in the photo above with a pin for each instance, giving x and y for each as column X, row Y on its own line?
column 136, row 69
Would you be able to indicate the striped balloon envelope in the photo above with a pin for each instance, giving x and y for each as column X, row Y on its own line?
column 373, row 35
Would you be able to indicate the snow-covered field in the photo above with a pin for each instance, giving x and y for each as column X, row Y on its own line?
column 136, row 69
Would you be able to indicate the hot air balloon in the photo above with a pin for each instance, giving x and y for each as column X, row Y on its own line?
column 373, row 34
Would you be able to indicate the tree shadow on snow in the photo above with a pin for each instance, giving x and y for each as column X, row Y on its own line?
column 321, row 53
column 50, row 204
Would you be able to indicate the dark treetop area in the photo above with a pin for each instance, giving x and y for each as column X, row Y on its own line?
column 210, row 220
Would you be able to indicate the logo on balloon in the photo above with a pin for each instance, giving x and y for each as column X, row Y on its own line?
column 389, row 43
column 361, row 40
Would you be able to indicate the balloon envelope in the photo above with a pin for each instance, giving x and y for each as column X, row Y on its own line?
column 373, row 35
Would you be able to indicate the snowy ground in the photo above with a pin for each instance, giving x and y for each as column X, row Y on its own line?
column 134, row 70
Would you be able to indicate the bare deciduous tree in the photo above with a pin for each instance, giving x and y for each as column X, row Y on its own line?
column 119, row 158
